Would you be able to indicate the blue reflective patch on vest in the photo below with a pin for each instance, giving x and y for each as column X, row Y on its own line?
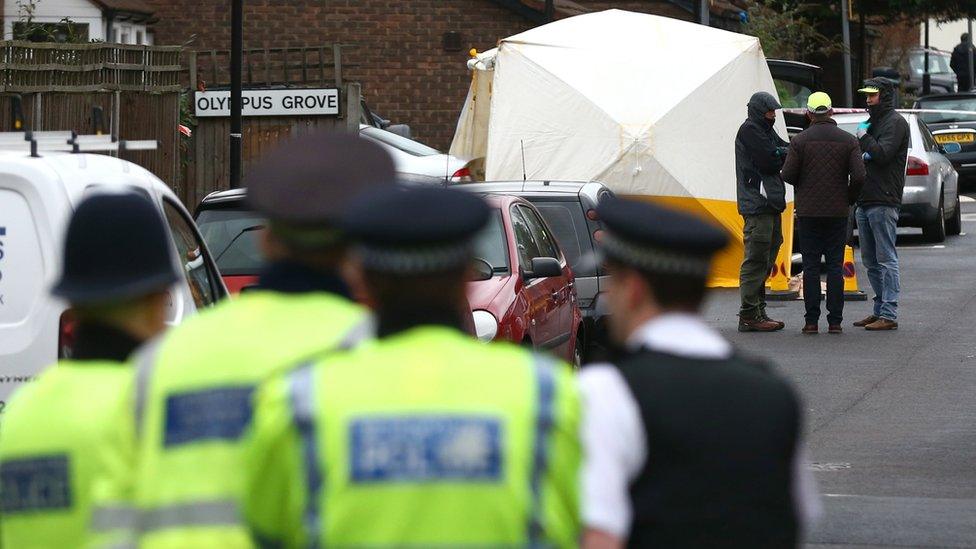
column 425, row 448
column 212, row 414
column 35, row 484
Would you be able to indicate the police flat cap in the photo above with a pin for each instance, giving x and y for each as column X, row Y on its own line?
column 310, row 179
column 658, row 239
column 414, row 230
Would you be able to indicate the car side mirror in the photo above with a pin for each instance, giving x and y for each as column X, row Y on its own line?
column 403, row 130
column 951, row 148
column 544, row 267
column 480, row 270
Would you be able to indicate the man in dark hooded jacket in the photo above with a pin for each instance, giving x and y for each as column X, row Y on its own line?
column 884, row 138
column 960, row 62
column 761, row 197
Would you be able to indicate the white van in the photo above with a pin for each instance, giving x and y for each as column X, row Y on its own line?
column 37, row 197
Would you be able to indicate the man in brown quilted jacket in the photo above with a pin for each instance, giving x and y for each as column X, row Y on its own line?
column 825, row 167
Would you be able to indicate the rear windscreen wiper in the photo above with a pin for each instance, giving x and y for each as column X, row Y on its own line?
column 233, row 240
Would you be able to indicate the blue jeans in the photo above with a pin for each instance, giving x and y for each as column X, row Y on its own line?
column 876, row 227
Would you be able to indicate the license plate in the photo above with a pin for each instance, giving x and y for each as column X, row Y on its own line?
column 955, row 138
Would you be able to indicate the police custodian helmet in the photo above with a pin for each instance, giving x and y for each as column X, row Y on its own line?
column 414, row 230
column 658, row 239
column 116, row 248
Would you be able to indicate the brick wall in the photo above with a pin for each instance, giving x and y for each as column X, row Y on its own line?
column 406, row 75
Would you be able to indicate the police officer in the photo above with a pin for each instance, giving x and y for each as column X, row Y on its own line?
column 688, row 442
column 194, row 386
column 426, row 437
column 62, row 436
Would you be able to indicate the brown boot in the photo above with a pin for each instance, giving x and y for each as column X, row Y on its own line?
column 779, row 323
column 882, row 324
column 869, row 320
column 757, row 325
column 810, row 329
column 835, row 329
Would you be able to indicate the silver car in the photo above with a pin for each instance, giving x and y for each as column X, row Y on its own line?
column 931, row 197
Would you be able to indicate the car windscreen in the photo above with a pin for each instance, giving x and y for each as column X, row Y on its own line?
column 947, row 104
column 408, row 146
column 938, row 64
column 491, row 245
column 792, row 94
column 232, row 236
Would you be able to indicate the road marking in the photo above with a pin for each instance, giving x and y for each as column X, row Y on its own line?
column 964, row 198
column 836, row 466
column 968, row 217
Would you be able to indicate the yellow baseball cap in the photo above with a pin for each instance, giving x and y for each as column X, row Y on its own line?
column 869, row 89
column 819, row 102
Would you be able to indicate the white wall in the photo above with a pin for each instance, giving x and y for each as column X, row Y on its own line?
column 53, row 11
column 944, row 36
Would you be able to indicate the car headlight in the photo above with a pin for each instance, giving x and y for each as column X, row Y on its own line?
column 485, row 325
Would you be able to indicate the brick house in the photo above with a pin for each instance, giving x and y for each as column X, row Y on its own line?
column 409, row 72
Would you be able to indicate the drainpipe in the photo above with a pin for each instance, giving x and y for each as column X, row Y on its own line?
column 109, row 18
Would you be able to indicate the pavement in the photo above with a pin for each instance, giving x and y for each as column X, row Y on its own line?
column 890, row 416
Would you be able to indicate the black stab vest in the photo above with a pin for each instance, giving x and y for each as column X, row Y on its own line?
column 721, row 435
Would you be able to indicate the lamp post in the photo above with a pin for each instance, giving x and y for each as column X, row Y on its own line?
column 236, row 59
column 704, row 12
column 926, row 77
column 845, row 23
column 969, row 50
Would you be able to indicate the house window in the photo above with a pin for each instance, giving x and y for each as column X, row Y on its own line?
column 140, row 38
column 51, row 32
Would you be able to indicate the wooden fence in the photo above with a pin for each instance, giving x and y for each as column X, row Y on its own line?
column 137, row 87
column 206, row 167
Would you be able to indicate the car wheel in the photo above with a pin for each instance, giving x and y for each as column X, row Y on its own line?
column 936, row 230
column 578, row 352
column 954, row 225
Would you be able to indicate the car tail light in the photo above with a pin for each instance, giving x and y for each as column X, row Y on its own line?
column 592, row 215
column 916, row 166
column 464, row 174
column 67, row 334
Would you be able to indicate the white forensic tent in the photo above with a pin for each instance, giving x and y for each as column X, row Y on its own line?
column 648, row 105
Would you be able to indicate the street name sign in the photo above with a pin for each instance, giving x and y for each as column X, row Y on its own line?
column 290, row 102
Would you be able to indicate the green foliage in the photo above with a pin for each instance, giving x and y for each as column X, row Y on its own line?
column 787, row 30
column 879, row 11
column 64, row 31
column 186, row 119
column 917, row 10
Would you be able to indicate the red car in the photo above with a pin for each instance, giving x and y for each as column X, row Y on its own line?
column 525, row 292
column 232, row 229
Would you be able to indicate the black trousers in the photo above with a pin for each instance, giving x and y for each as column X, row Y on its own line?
column 823, row 237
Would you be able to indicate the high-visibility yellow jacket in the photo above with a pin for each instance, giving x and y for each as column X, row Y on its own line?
column 66, row 444
column 425, row 438
column 193, row 405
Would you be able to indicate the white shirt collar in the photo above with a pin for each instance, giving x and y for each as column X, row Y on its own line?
column 682, row 334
